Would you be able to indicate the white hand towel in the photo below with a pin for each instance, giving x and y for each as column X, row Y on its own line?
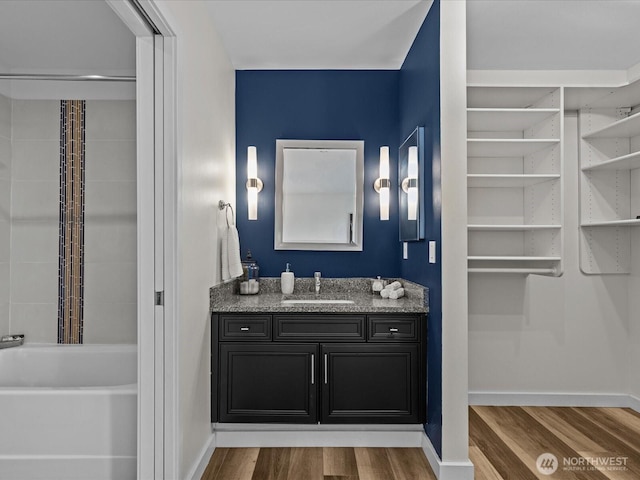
column 230, row 254
column 394, row 286
column 396, row 294
column 233, row 252
column 384, row 293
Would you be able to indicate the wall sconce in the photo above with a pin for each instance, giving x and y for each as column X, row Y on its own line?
column 410, row 184
column 254, row 184
column 382, row 185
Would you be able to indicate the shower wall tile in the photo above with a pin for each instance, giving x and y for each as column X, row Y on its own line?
column 37, row 321
column 5, row 241
column 112, row 201
column 107, row 241
column 36, row 119
column 34, row 283
column 110, row 282
column 34, row 242
column 35, row 201
column 5, row 293
column 5, row 158
column 111, row 323
column 110, row 160
column 5, row 117
column 5, row 319
column 5, row 200
column 111, row 120
column 36, row 160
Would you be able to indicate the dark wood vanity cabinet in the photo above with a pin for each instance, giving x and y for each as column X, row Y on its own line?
column 309, row 368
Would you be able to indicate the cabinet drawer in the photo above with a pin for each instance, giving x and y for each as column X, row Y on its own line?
column 245, row 327
column 334, row 328
column 393, row 328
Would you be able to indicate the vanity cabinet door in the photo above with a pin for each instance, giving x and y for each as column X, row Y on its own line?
column 268, row 383
column 372, row 383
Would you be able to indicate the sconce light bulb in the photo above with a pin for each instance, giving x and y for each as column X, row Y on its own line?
column 252, row 162
column 384, row 203
column 384, row 162
column 252, row 202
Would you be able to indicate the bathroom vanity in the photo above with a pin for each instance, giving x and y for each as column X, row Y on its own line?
column 344, row 356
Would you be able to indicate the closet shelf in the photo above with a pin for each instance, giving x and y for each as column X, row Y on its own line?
column 510, row 228
column 507, row 147
column 511, row 258
column 537, row 271
column 506, row 119
column 507, row 180
column 625, row 128
column 625, row 162
column 613, row 223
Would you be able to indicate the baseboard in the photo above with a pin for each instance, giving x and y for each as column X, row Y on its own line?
column 553, row 399
column 634, row 403
column 445, row 470
column 263, row 435
column 197, row 470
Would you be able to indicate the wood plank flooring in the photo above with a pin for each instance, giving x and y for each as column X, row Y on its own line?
column 318, row 464
column 504, row 444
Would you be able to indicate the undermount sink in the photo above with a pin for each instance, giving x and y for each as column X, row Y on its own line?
column 316, row 300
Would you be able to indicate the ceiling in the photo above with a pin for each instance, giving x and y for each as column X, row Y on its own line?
column 85, row 36
column 318, row 34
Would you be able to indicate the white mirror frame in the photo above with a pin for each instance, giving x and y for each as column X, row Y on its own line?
column 358, row 147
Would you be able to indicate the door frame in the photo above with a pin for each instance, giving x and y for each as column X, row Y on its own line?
column 156, row 183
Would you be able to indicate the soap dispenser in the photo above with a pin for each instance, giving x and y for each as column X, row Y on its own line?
column 287, row 280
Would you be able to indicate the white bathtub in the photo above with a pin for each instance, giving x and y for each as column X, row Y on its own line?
column 68, row 412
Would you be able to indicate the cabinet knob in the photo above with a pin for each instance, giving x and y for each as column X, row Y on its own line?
column 244, row 329
column 393, row 330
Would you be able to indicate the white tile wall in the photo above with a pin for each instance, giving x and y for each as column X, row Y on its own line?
column 36, row 160
column 36, row 120
column 37, row 321
column 30, row 201
column 5, row 223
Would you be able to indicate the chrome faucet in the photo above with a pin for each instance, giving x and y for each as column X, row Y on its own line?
column 317, row 276
column 11, row 341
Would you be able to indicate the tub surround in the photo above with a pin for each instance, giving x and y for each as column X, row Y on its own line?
column 225, row 298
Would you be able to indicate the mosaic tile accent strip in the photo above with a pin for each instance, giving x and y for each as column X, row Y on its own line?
column 71, row 242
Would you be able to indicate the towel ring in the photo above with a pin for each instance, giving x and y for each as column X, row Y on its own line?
column 222, row 205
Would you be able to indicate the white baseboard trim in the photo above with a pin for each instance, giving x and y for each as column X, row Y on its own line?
column 197, row 470
column 634, row 403
column 554, row 399
column 262, row 435
column 445, row 470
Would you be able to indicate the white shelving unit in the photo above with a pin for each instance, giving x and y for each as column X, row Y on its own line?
column 609, row 182
column 514, row 167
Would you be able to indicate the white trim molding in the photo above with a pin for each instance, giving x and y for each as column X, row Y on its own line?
column 553, row 399
column 445, row 470
column 196, row 472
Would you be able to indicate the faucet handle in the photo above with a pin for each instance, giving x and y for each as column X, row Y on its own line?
column 317, row 275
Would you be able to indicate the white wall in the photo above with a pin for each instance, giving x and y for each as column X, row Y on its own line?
column 634, row 295
column 5, row 201
column 562, row 335
column 206, row 173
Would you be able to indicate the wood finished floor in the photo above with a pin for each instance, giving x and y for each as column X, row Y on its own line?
column 318, row 464
column 504, row 444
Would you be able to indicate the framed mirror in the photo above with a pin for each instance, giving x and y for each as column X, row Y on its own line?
column 319, row 194
column 411, row 188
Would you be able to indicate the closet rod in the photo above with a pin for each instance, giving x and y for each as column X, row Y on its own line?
column 66, row 77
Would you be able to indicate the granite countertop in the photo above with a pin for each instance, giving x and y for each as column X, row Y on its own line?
column 224, row 298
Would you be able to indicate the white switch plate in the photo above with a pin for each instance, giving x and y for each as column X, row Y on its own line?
column 432, row 251
column 405, row 250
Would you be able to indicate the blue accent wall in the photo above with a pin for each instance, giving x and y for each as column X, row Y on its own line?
column 317, row 105
column 381, row 108
column 420, row 106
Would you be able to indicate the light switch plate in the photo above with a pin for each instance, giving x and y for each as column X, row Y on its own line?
column 432, row 251
column 405, row 251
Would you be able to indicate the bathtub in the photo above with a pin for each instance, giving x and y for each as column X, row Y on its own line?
column 68, row 412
